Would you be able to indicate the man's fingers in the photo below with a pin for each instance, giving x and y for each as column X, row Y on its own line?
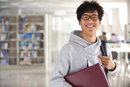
column 102, row 56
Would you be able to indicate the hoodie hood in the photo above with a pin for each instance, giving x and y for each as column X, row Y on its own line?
column 92, row 49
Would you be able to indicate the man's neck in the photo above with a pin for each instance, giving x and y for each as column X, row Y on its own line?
column 89, row 38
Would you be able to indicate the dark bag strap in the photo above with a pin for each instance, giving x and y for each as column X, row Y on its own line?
column 104, row 52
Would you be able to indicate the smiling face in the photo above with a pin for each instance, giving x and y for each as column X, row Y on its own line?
column 89, row 23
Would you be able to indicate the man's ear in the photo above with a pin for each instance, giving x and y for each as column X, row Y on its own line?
column 100, row 22
column 79, row 23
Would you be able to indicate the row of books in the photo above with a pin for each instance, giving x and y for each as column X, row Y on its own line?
column 4, row 61
column 3, row 28
column 28, row 36
column 36, row 19
column 4, row 36
column 29, row 60
column 26, row 59
column 22, row 19
column 30, row 45
column 3, row 45
column 7, row 61
column 4, row 20
column 7, row 36
column 4, row 54
column 27, row 53
column 31, row 28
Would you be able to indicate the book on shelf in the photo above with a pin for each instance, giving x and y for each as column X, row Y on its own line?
column 2, row 37
column 4, row 45
column 6, row 28
column 4, row 53
column 4, row 61
column 0, row 20
column 34, row 54
column 29, row 45
column 27, row 36
column 27, row 53
column 1, row 44
column 4, row 20
column 32, row 37
column 1, row 54
column 26, row 59
column 21, row 36
column 21, row 54
column 33, row 27
column 20, row 27
column 28, row 28
column 3, row 28
column 24, row 53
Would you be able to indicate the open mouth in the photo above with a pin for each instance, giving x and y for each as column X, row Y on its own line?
column 90, row 26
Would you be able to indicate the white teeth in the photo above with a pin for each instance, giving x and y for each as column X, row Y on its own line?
column 90, row 26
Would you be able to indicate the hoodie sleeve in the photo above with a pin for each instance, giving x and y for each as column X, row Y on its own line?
column 60, row 70
column 112, row 74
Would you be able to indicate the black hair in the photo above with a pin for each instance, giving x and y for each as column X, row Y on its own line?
column 89, row 6
column 104, row 33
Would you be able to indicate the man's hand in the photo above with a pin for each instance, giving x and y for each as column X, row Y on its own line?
column 108, row 62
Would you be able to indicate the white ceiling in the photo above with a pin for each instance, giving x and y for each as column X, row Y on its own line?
column 55, row 7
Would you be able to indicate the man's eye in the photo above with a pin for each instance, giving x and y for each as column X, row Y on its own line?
column 86, row 17
column 94, row 17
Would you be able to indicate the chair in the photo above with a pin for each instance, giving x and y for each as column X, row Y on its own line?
column 116, row 56
column 127, row 71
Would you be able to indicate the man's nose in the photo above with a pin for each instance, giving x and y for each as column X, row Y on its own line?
column 90, row 20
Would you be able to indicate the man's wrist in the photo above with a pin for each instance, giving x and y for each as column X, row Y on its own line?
column 113, row 68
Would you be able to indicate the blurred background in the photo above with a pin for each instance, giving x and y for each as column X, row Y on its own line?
column 32, row 32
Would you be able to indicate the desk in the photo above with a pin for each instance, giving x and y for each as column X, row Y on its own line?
column 120, row 51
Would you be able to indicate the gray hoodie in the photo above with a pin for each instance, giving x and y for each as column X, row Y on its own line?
column 74, row 56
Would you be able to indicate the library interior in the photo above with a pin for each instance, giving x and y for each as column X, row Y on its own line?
column 32, row 33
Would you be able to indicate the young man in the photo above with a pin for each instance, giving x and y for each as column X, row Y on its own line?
column 83, row 48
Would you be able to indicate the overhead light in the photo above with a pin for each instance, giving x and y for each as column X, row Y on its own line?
column 27, row 0
column 3, row 0
column 3, row 6
column 15, row 4
column 60, row 13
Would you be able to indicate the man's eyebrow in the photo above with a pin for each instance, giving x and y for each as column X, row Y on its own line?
column 88, row 15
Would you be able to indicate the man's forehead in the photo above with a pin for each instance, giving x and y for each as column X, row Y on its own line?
column 91, row 13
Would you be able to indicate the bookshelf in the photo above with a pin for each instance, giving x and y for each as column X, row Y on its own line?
column 8, row 40
column 31, row 39
column 22, row 40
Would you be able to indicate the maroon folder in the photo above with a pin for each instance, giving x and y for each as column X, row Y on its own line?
column 93, row 76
